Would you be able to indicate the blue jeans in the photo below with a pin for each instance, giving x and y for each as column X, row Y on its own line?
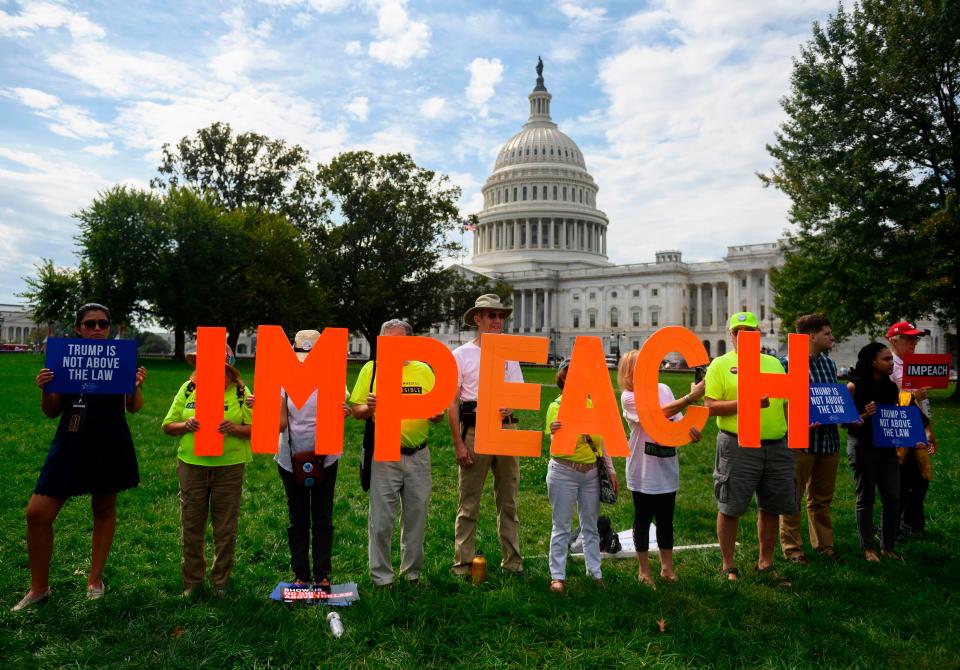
column 566, row 487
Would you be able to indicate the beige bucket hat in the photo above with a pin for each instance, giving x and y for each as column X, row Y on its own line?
column 486, row 301
column 303, row 343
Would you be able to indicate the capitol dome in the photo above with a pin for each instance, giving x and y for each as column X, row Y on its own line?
column 540, row 201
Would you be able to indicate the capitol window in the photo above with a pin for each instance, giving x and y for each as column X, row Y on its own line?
column 636, row 318
column 514, row 193
column 554, row 192
column 593, row 320
column 636, row 293
column 654, row 319
column 544, row 192
column 524, row 192
column 614, row 318
column 593, row 296
column 613, row 294
column 565, row 199
column 654, row 291
column 576, row 296
column 576, row 320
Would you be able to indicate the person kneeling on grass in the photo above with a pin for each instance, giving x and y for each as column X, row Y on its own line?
column 93, row 453
column 210, row 485
column 573, row 479
column 653, row 471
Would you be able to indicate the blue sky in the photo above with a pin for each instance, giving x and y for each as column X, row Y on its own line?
column 671, row 101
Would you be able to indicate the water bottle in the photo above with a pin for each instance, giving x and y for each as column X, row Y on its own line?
column 478, row 569
column 336, row 626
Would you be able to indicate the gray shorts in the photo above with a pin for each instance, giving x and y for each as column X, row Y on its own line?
column 740, row 471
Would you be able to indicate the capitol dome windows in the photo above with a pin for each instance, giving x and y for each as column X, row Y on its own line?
column 614, row 317
column 524, row 192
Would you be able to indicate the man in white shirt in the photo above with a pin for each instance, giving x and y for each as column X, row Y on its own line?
column 487, row 316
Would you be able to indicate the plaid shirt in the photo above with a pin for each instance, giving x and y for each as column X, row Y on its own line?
column 825, row 439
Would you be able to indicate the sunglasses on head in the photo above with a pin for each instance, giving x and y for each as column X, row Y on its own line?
column 103, row 324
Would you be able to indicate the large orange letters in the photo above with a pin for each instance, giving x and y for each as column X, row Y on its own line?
column 494, row 393
column 752, row 385
column 211, row 350
column 323, row 371
column 646, row 380
column 588, row 378
column 393, row 405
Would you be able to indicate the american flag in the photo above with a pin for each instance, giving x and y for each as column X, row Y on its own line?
column 469, row 226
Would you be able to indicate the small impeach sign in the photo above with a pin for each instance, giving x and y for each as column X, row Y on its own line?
column 897, row 426
column 831, row 403
column 91, row 366
column 926, row 371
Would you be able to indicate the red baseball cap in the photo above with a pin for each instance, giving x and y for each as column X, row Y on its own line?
column 904, row 328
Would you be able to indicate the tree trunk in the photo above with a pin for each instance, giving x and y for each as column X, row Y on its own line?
column 179, row 343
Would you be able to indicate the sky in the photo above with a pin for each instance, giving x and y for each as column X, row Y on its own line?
column 671, row 101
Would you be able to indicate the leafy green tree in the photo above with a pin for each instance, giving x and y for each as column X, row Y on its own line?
column 384, row 237
column 870, row 158
column 119, row 238
column 53, row 296
column 463, row 292
column 151, row 343
column 244, row 170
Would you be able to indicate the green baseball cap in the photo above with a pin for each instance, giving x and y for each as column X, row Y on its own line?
column 742, row 320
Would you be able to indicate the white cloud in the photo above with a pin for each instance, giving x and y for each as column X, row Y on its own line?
column 392, row 139
column 47, row 15
column 687, row 122
column 35, row 99
column 353, row 48
column 399, row 39
column 242, row 49
column 433, row 108
column 575, row 12
column 51, row 182
column 66, row 120
column 485, row 74
column 359, row 107
column 318, row 6
column 105, row 150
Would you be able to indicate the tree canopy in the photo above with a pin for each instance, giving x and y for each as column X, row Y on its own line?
column 869, row 156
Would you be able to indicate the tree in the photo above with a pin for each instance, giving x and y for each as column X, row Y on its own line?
column 119, row 238
column 870, row 158
column 244, row 170
column 463, row 293
column 53, row 296
column 384, row 236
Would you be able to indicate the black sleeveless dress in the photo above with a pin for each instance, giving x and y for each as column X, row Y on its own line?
column 98, row 460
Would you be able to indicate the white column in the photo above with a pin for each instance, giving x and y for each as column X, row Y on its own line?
column 767, row 294
column 523, row 304
column 604, row 241
column 733, row 287
column 714, row 288
column 526, row 223
column 564, row 242
column 539, row 233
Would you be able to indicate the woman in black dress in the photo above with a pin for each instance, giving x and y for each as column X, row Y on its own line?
column 92, row 453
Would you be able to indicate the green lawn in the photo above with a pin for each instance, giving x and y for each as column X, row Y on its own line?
column 848, row 615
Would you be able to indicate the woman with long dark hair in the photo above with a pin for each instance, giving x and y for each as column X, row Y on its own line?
column 874, row 468
column 92, row 453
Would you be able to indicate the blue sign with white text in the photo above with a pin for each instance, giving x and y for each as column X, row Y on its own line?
column 91, row 366
column 831, row 403
column 897, row 426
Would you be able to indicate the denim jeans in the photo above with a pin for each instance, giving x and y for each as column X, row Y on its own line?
column 310, row 508
column 567, row 487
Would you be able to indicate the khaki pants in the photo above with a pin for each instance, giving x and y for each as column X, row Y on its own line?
column 816, row 476
column 506, row 483
column 213, row 491
column 406, row 483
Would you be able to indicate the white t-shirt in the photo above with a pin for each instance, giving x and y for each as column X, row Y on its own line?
column 897, row 378
column 647, row 473
column 301, row 433
column 468, row 371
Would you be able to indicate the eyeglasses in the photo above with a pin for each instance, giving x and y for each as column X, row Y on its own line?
column 90, row 324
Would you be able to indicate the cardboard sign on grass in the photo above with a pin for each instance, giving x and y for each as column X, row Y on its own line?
column 897, row 426
column 831, row 403
column 926, row 371
column 91, row 366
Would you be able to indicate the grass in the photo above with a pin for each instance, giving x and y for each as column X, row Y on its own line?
column 851, row 614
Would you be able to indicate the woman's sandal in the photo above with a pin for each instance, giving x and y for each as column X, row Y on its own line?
column 556, row 586
column 771, row 574
column 732, row 573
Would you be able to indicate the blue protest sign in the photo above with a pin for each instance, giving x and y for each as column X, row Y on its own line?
column 831, row 403
column 897, row 426
column 91, row 366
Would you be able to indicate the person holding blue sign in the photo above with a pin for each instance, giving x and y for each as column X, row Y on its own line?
column 210, row 486
column 91, row 453
column 874, row 467
column 816, row 466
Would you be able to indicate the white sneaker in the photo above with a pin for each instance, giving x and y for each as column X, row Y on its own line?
column 29, row 600
column 96, row 592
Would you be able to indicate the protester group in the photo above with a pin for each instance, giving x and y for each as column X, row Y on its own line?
column 93, row 454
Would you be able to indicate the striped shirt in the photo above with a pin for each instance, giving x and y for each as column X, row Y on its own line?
column 825, row 439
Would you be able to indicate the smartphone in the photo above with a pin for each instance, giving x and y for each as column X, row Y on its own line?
column 699, row 373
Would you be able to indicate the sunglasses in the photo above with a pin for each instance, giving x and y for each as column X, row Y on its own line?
column 90, row 324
